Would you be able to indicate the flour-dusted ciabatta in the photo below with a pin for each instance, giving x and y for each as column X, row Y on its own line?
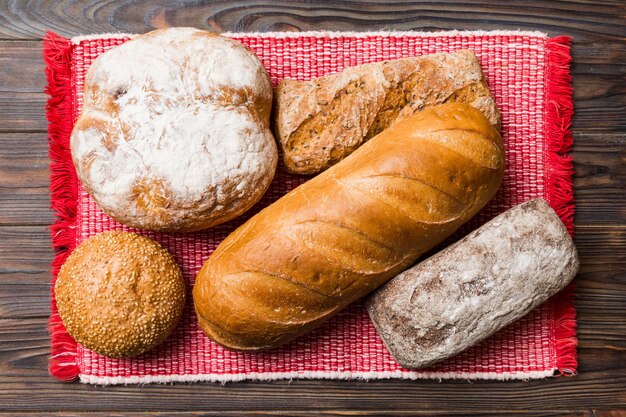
column 350, row 229
column 174, row 131
column 321, row 121
column 472, row 289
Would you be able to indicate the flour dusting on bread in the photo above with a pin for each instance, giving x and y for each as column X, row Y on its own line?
column 174, row 130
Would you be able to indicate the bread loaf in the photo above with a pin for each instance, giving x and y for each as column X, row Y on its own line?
column 120, row 294
column 348, row 230
column 174, row 133
column 472, row 289
column 320, row 122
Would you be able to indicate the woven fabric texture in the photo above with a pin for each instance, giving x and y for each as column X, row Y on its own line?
column 516, row 66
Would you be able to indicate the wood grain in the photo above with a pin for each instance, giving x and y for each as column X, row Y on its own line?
column 599, row 125
column 599, row 158
column 22, row 84
column 599, row 89
column 28, row 20
column 24, row 179
column 600, row 177
column 23, row 359
column 297, row 413
column 25, row 257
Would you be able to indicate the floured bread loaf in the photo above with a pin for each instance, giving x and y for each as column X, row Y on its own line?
column 174, row 132
column 470, row 290
column 321, row 121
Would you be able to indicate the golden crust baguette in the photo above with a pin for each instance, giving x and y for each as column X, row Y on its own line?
column 350, row 229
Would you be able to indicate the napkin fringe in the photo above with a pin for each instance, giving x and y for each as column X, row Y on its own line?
column 317, row 375
column 565, row 333
column 57, row 52
column 559, row 188
column 559, row 169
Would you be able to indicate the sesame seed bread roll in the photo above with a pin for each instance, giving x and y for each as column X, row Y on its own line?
column 120, row 294
column 350, row 229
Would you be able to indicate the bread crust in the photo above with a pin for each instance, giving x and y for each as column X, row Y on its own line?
column 120, row 294
column 348, row 230
column 174, row 131
column 321, row 121
column 470, row 290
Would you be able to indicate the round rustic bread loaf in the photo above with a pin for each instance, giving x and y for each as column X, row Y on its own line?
column 174, row 131
column 120, row 294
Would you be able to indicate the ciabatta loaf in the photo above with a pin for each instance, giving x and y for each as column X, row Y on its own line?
column 321, row 121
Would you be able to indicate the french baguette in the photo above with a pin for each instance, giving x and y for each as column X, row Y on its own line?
column 350, row 229
column 321, row 121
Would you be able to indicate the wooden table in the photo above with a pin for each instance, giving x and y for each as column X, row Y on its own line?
column 599, row 70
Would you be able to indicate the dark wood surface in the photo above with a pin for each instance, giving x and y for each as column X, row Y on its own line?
column 599, row 70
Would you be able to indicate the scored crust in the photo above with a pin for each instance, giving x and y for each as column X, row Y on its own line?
column 174, row 132
column 345, row 232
